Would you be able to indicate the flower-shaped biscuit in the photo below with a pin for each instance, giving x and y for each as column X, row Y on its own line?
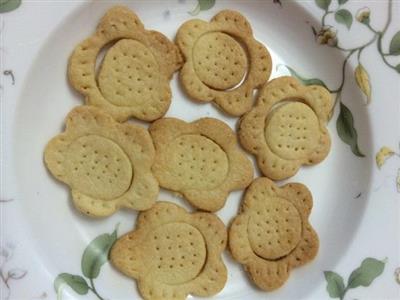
column 172, row 253
column 134, row 76
column 200, row 160
column 106, row 164
column 272, row 235
column 224, row 63
column 286, row 128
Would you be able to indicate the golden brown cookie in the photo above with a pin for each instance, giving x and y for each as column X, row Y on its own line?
column 172, row 253
column 224, row 63
column 272, row 234
column 106, row 164
column 200, row 160
column 133, row 80
column 287, row 127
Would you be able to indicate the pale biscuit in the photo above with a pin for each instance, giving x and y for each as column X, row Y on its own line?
column 272, row 234
column 106, row 164
column 224, row 63
column 133, row 80
column 172, row 253
column 200, row 160
column 287, row 127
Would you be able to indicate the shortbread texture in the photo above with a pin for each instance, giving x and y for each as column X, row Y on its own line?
column 172, row 253
column 106, row 164
column 133, row 78
column 200, row 160
column 287, row 127
column 272, row 234
column 224, row 63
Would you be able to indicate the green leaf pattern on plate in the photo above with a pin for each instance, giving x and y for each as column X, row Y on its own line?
column 305, row 81
column 93, row 258
column 9, row 5
column 96, row 254
column 76, row 282
column 343, row 16
column 364, row 275
column 335, row 286
column 323, row 4
column 394, row 48
column 346, row 130
column 202, row 5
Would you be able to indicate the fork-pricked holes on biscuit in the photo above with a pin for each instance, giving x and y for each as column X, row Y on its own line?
column 133, row 80
column 200, row 160
column 286, row 127
column 106, row 164
column 224, row 63
column 172, row 253
column 129, row 74
column 98, row 166
column 220, row 61
column 271, row 235
column 195, row 161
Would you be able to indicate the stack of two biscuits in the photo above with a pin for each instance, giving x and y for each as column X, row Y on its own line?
column 109, row 165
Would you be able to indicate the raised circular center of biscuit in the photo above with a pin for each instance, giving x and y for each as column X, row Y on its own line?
column 178, row 253
column 292, row 130
column 274, row 229
column 98, row 167
column 129, row 74
column 197, row 162
column 219, row 60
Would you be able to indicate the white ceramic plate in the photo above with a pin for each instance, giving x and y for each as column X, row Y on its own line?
column 356, row 204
